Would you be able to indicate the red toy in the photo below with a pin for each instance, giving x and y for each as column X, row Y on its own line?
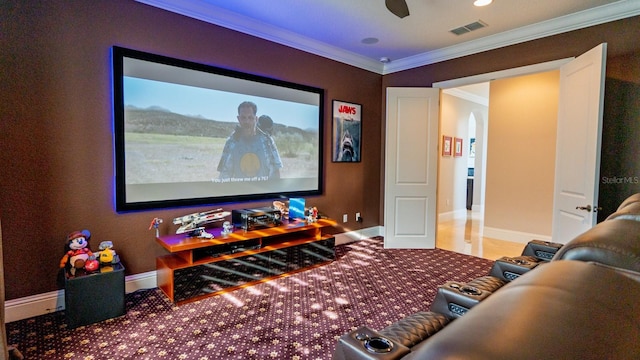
column 78, row 255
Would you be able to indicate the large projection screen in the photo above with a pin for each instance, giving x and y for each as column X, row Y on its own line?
column 179, row 139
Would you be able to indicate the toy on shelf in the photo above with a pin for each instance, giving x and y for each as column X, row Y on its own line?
column 200, row 232
column 193, row 224
column 313, row 215
column 283, row 207
column 107, row 255
column 77, row 253
column 227, row 228
column 155, row 224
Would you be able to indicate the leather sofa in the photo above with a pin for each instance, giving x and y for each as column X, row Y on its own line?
column 582, row 304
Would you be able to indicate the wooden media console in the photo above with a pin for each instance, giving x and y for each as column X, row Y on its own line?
column 200, row 267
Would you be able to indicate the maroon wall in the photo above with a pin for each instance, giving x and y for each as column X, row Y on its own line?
column 57, row 139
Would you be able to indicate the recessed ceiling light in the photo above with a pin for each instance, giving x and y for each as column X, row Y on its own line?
column 482, row 2
column 370, row 40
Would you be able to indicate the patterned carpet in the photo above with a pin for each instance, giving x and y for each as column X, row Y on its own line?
column 296, row 317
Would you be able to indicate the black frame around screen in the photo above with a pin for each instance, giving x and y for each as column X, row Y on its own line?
column 122, row 203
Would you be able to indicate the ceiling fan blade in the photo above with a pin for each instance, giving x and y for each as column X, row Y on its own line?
column 398, row 7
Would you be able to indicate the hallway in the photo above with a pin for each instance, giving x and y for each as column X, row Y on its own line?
column 464, row 235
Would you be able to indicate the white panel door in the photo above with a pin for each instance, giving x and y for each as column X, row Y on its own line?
column 578, row 144
column 411, row 155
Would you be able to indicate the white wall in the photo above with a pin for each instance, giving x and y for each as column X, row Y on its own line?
column 521, row 157
column 452, row 176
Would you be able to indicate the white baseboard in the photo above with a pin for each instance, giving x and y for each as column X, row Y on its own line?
column 452, row 215
column 355, row 235
column 514, row 236
column 40, row 304
column 35, row 305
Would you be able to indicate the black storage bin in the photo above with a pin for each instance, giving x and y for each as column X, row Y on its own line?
column 94, row 297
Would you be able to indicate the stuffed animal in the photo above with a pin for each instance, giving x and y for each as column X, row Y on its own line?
column 78, row 255
column 107, row 254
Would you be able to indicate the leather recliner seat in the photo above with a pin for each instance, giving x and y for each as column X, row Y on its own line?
column 583, row 304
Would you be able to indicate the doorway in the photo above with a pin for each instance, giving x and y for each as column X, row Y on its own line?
column 519, row 208
column 515, row 133
column 464, row 115
column 461, row 183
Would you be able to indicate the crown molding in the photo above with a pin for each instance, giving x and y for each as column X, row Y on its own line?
column 481, row 100
column 595, row 16
column 199, row 10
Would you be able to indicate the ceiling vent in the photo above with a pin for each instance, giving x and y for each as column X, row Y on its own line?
column 469, row 27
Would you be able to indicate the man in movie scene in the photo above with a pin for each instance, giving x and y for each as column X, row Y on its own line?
column 265, row 124
column 249, row 152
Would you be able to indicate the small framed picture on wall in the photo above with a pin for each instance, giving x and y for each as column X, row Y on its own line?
column 457, row 147
column 446, row 145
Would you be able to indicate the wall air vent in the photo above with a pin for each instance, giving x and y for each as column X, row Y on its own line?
column 469, row 27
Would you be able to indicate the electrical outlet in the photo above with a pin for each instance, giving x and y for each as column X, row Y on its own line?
column 345, row 218
column 358, row 217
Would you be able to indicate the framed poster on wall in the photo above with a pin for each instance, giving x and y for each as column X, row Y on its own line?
column 347, row 130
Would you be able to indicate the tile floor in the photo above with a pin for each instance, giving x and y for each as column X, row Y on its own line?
column 464, row 235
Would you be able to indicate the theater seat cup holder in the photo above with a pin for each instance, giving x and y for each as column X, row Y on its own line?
column 519, row 261
column 470, row 290
column 378, row 345
column 466, row 289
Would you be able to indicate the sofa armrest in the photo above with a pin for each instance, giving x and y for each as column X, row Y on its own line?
column 353, row 346
column 415, row 328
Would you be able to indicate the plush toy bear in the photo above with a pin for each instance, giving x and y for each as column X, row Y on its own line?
column 78, row 255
